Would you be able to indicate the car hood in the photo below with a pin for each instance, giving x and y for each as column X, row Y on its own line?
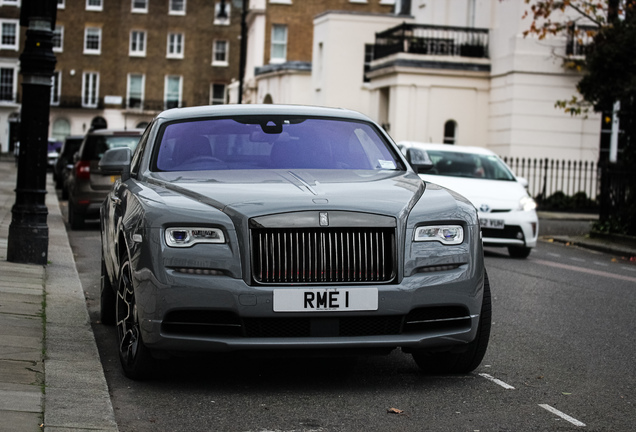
column 496, row 194
column 260, row 192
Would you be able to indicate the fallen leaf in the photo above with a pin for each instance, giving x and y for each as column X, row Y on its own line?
column 394, row 411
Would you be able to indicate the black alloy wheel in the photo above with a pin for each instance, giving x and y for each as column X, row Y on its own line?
column 136, row 360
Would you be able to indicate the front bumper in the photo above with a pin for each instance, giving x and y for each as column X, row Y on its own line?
column 205, row 313
column 521, row 228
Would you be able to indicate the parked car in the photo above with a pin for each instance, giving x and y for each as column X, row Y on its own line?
column 506, row 212
column 64, row 163
column 87, row 185
column 53, row 151
column 286, row 229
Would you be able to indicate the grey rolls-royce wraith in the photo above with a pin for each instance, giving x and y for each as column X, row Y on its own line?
column 289, row 229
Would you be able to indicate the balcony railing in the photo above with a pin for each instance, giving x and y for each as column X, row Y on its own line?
column 147, row 105
column 432, row 40
column 579, row 40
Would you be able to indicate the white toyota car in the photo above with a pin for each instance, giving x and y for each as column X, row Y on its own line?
column 506, row 212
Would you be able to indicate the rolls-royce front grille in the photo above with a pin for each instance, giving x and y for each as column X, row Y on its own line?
column 334, row 255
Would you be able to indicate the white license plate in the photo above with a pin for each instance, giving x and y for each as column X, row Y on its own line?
column 492, row 223
column 326, row 299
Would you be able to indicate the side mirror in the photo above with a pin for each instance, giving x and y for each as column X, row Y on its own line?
column 116, row 161
column 419, row 160
column 523, row 181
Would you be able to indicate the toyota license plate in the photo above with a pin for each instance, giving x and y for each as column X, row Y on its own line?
column 492, row 223
column 327, row 299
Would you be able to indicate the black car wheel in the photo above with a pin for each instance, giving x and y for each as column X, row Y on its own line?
column 107, row 308
column 75, row 218
column 468, row 360
column 136, row 360
column 519, row 251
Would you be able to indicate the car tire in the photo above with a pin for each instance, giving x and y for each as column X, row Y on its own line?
column 519, row 251
column 468, row 360
column 107, row 308
column 75, row 218
column 64, row 192
column 136, row 359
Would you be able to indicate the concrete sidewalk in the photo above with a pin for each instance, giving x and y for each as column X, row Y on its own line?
column 51, row 376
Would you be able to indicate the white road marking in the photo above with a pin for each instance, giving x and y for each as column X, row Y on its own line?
column 632, row 269
column 578, row 259
column 564, row 416
column 586, row 270
column 601, row 264
column 496, row 381
column 553, row 254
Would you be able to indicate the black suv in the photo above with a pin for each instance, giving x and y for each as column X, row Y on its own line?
column 87, row 185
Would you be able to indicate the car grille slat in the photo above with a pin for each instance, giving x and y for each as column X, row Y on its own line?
column 325, row 255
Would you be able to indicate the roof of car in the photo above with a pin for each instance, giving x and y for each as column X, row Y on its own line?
column 447, row 147
column 262, row 109
column 130, row 131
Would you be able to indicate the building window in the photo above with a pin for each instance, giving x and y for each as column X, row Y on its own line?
column 61, row 129
column 139, row 6
column 172, row 95
column 177, row 7
column 220, row 53
column 56, row 87
column 217, row 94
column 9, row 3
column 90, row 89
column 450, row 130
column 92, row 40
column 175, row 45
column 222, row 13
column 61, row 4
column 279, row 44
column 9, row 38
column 7, row 84
column 94, row 5
column 137, row 43
column 58, row 39
column 135, row 98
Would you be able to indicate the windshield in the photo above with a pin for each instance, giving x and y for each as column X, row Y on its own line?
column 469, row 165
column 265, row 142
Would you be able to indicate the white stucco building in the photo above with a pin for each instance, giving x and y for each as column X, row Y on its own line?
column 458, row 71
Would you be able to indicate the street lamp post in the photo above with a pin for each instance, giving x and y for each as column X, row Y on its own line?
column 244, row 5
column 28, row 232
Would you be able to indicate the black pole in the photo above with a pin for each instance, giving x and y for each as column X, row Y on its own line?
column 243, row 50
column 28, row 240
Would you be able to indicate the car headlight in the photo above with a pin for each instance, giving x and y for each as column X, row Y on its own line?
column 446, row 234
column 186, row 237
column 527, row 204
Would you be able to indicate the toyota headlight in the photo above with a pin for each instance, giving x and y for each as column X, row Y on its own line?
column 527, row 204
column 446, row 234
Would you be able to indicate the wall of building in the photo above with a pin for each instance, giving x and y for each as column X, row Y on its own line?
column 339, row 56
column 420, row 101
column 527, row 79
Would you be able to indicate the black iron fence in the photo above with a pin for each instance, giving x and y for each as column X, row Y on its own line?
column 560, row 184
column 432, row 40
column 618, row 199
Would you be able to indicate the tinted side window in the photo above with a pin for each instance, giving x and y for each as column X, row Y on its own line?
column 139, row 152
